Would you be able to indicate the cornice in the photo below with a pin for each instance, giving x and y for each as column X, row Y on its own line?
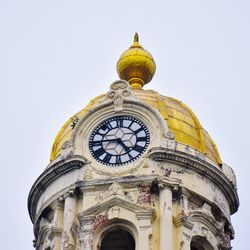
column 48, row 176
column 198, row 165
column 201, row 167
column 83, row 185
column 132, row 181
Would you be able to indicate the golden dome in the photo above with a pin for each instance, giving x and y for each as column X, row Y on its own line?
column 179, row 118
column 136, row 65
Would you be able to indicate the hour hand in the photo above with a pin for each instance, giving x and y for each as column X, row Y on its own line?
column 126, row 148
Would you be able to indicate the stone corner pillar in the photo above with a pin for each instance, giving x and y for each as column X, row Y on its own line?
column 86, row 232
column 69, row 225
column 166, row 218
column 145, row 229
column 183, row 231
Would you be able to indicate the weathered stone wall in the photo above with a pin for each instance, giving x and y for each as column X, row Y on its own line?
column 170, row 197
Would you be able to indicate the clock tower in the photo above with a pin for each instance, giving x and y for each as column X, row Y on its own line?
column 134, row 170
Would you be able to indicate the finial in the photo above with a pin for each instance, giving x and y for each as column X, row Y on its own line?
column 136, row 65
column 136, row 38
column 136, row 42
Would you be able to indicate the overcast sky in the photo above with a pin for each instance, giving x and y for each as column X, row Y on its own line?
column 57, row 55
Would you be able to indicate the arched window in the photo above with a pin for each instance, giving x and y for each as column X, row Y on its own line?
column 200, row 243
column 117, row 239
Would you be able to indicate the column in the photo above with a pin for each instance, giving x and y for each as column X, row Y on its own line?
column 183, row 233
column 86, row 234
column 69, row 230
column 166, row 224
column 57, row 225
column 145, row 229
column 183, row 225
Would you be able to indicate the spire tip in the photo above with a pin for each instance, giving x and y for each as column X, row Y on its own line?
column 136, row 38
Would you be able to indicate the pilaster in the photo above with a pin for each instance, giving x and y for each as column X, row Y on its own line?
column 183, row 231
column 165, row 213
column 69, row 226
column 145, row 230
column 57, row 224
column 86, row 232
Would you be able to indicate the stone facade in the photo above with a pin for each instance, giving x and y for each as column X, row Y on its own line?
column 171, row 198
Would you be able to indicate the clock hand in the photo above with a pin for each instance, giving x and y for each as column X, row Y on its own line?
column 107, row 140
column 119, row 140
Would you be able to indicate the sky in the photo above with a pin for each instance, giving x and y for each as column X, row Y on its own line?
column 57, row 55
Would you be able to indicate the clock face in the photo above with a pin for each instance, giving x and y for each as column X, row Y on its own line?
column 119, row 140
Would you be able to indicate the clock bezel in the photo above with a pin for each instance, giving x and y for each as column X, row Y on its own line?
column 115, row 118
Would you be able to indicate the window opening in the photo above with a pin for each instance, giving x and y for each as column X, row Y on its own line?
column 118, row 240
column 200, row 243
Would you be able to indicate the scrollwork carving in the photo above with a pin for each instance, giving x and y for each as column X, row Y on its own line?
column 88, row 175
column 120, row 90
column 115, row 189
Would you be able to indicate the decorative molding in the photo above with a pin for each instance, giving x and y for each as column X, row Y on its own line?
column 132, row 181
column 43, row 235
column 201, row 167
column 124, row 170
column 88, row 174
column 207, row 220
column 67, row 150
column 116, row 189
column 156, row 113
column 169, row 143
column 48, row 176
column 119, row 91
column 116, row 100
column 58, row 203
column 55, row 232
column 202, row 223
column 110, row 202
column 182, row 219
column 206, row 208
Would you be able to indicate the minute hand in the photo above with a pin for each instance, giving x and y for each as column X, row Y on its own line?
column 108, row 140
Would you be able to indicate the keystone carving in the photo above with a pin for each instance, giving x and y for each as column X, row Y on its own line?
column 120, row 90
column 115, row 189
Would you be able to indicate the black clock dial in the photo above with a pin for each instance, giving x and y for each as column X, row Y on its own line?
column 119, row 140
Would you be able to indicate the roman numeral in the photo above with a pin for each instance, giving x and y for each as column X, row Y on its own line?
column 142, row 138
column 118, row 159
column 99, row 152
column 119, row 123
column 99, row 132
column 107, row 158
column 109, row 126
column 138, row 130
column 96, row 143
column 138, row 148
